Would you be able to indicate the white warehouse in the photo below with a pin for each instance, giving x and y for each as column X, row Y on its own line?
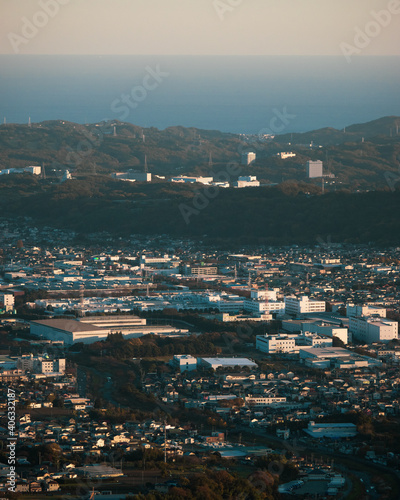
column 373, row 329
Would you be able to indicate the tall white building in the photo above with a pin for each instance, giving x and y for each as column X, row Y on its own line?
column 248, row 158
column 7, row 301
column 314, row 169
column 373, row 329
column 303, row 305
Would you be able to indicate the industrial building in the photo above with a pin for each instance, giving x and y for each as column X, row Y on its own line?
column 132, row 176
column 246, row 181
column 365, row 310
column 215, row 363
column 263, row 306
column 191, row 180
column 96, row 328
column 325, row 327
column 335, row 357
column 282, row 343
column 262, row 402
column 333, row 431
column 276, row 343
column 32, row 169
column 372, row 329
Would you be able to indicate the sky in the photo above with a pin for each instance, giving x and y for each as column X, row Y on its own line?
column 200, row 27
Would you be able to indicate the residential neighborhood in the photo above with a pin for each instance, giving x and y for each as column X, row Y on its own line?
column 285, row 356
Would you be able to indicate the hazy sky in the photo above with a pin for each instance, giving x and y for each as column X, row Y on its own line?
column 256, row 27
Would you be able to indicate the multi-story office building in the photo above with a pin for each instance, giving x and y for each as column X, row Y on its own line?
column 303, row 305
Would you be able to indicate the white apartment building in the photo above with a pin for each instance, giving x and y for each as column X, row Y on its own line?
column 373, row 329
column 365, row 310
column 303, row 305
column 314, row 169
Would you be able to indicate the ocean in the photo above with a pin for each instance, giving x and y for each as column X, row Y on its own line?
column 238, row 94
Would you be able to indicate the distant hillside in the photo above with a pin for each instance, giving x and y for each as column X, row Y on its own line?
column 116, row 146
column 64, row 145
column 383, row 127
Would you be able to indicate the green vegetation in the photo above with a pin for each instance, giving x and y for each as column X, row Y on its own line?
column 290, row 213
column 215, row 485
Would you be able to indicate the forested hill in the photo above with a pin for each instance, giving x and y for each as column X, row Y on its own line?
column 292, row 213
column 385, row 127
column 362, row 157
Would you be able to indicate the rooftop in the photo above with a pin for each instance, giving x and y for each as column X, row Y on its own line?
column 68, row 325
